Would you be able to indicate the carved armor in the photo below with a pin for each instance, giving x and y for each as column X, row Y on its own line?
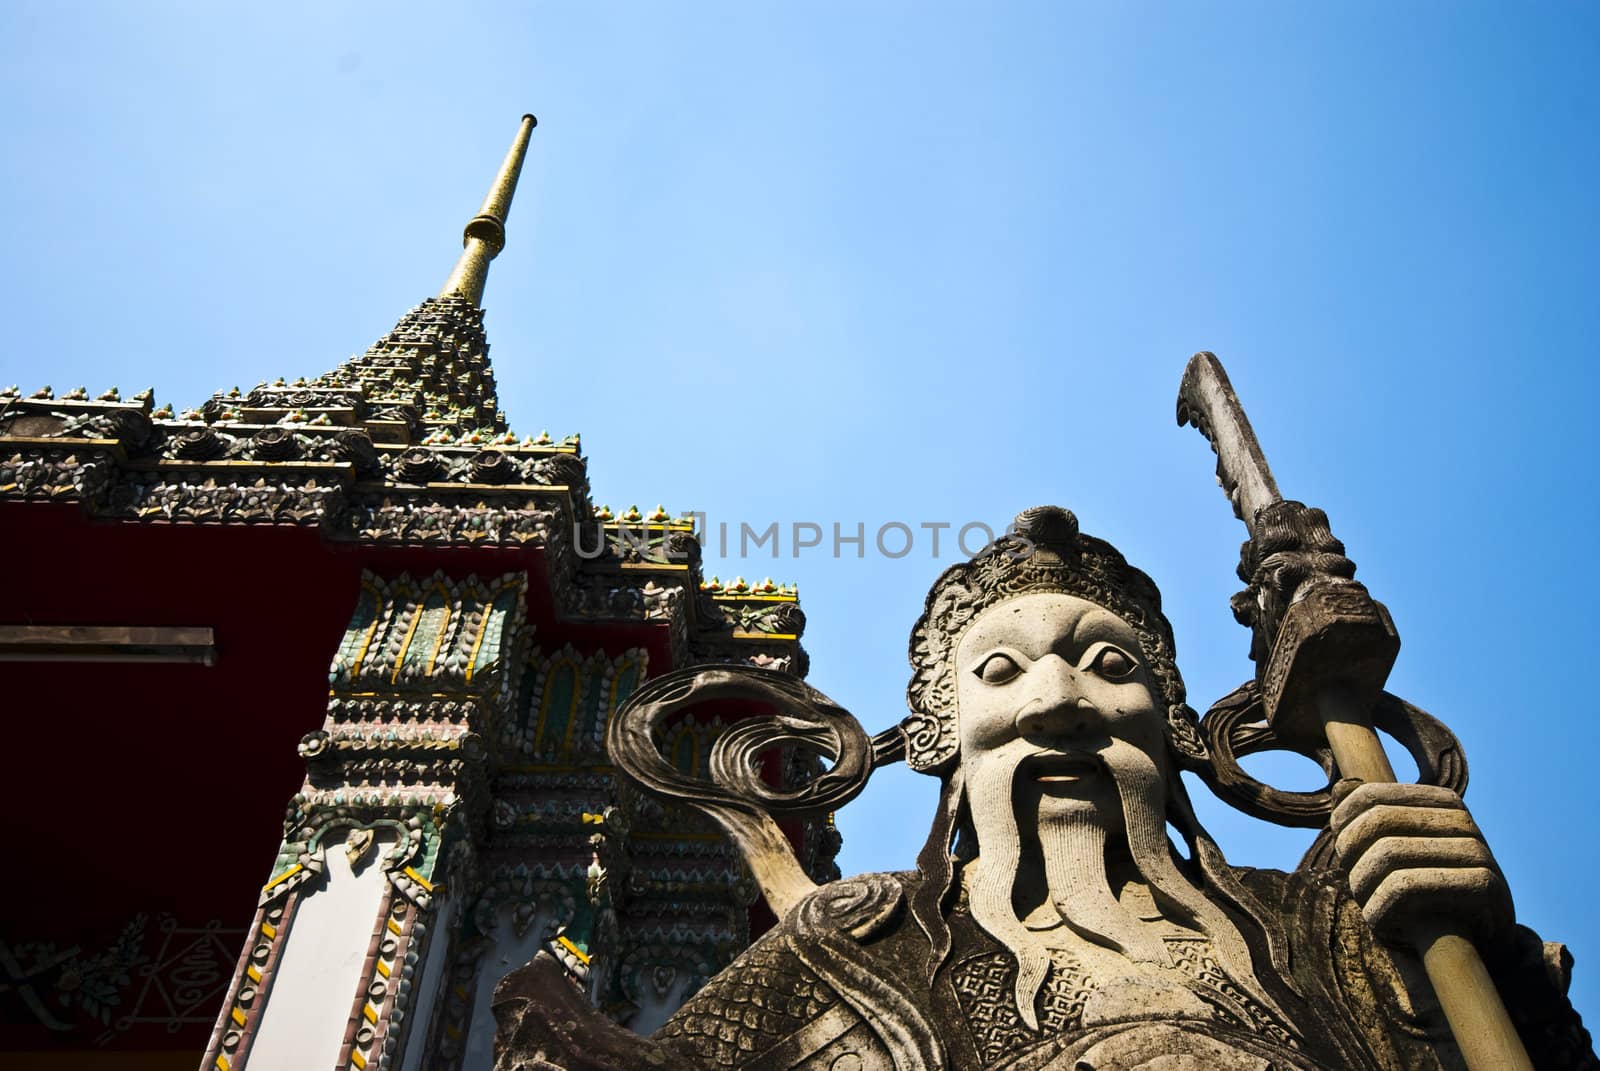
column 812, row 995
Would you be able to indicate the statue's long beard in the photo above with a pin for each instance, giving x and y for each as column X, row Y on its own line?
column 994, row 820
column 1073, row 848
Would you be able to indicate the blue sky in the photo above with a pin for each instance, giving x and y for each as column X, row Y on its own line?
column 916, row 263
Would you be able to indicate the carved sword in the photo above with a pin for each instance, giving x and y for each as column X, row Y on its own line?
column 1323, row 648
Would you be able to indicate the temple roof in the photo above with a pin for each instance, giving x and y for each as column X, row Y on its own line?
column 428, row 380
column 406, row 445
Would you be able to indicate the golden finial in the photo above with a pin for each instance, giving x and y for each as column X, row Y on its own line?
column 485, row 235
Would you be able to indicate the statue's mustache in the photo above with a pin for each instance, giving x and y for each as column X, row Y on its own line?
column 1059, row 767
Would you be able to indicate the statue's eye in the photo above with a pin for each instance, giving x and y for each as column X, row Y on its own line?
column 1114, row 664
column 997, row 669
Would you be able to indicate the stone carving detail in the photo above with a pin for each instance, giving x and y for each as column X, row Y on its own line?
column 984, row 984
column 1044, row 553
column 777, row 1000
column 735, row 795
column 1051, row 921
column 1235, row 727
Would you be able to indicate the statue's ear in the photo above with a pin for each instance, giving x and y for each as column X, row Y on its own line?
column 1183, row 734
column 929, row 731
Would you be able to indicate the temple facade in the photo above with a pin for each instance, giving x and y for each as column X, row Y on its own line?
column 308, row 690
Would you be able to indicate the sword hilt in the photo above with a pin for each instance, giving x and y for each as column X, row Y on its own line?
column 1314, row 626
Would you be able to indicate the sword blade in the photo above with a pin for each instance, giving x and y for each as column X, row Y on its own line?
column 1207, row 400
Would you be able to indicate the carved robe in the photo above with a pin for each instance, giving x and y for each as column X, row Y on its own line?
column 841, row 985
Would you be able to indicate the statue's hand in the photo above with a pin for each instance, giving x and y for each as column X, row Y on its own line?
column 1417, row 861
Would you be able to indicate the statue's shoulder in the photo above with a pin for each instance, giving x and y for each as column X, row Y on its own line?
column 867, row 906
column 764, row 996
column 864, row 908
column 787, row 985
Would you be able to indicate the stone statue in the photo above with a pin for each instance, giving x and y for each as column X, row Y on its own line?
column 1051, row 922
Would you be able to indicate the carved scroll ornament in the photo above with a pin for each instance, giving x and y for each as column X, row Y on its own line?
column 1236, row 727
column 737, row 796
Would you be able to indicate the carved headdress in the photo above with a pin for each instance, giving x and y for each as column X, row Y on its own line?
column 1044, row 552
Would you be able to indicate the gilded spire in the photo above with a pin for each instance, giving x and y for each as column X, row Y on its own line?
column 485, row 235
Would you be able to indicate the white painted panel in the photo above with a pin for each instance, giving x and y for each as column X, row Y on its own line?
column 319, row 972
column 425, row 998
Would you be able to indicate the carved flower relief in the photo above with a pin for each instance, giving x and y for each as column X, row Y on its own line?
column 503, row 814
column 418, row 465
column 276, row 443
column 92, row 984
column 472, row 747
column 492, row 466
column 683, row 547
column 301, row 398
column 562, row 470
column 313, row 744
column 355, row 447
column 134, row 430
column 198, row 444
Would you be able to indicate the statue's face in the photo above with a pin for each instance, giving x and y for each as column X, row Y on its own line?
column 1045, row 683
column 1067, row 782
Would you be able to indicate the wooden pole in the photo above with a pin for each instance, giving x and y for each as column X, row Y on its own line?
column 1472, row 1005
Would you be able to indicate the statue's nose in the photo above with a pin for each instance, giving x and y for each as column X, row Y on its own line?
column 1057, row 705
